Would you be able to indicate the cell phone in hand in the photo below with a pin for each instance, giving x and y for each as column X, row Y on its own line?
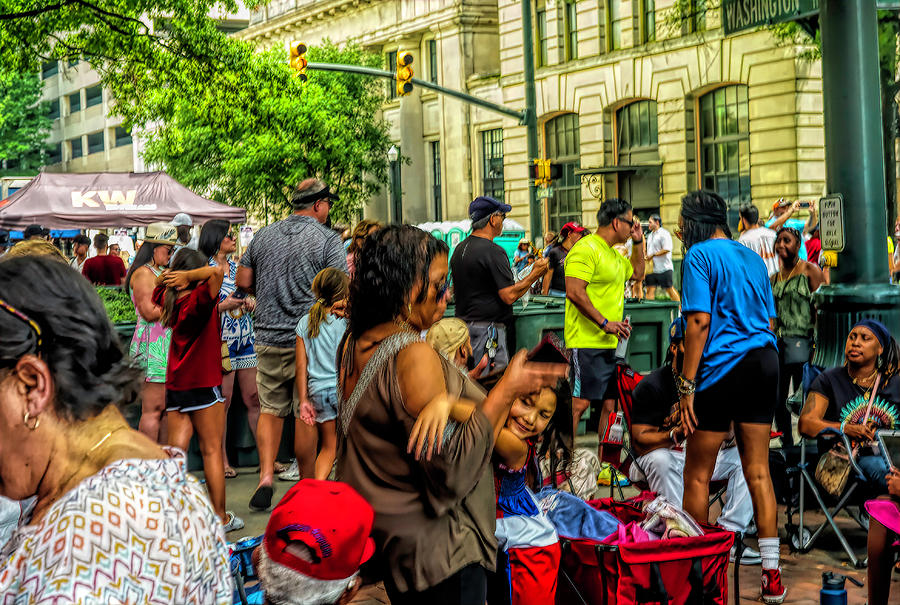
column 805, row 204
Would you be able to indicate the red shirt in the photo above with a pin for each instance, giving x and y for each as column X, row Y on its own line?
column 813, row 250
column 195, row 352
column 104, row 270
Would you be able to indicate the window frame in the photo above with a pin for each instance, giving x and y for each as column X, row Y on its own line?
column 69, row 102
column 93, row 101
column 648, row 34
column 491, row 142
column 53, row 109
column 564, row 151
column 436, row 181
column 94, row 147
column 72, row 147
column 542, row 37
column 49, row 69
column 119, row 138
column 611, row 20
column 431, row 47
column 569, row 32
column 391, row 58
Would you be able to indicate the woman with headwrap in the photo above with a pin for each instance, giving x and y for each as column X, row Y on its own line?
column 729, row 356
column 792, row 286
column 839, row 397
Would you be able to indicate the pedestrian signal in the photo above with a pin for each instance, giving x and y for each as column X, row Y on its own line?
column 298, row 60
column 544, row 172
column 404, row 73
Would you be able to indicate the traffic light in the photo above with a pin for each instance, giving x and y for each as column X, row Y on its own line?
column 545, row 172
column 404, row 73
column 298, row 60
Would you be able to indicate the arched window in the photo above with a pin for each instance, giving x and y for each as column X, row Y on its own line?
column 563, row 148
column 637, row 155
column 724, row 146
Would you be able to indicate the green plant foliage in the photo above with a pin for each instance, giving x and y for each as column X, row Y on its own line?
column 24, row 125
column 118, row 305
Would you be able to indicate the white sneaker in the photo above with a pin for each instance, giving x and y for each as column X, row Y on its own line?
column 748, row 556
column 234, row 522
column 292, row 474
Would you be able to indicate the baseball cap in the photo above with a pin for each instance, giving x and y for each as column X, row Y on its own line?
column 330, row 518
column 182, row 220
column 311, row 190
column 483, row 206
column 32, row 230
column 676, row 330
column 447, row 336
column 161, row 233
column 568, row 227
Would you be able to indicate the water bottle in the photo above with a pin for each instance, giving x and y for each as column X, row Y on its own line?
column 833, row 591
column 622, row 347
column 615, row 430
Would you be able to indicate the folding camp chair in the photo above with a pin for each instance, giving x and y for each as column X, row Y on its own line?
column 802, row 539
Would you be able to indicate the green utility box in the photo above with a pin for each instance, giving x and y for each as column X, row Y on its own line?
column 453, row 232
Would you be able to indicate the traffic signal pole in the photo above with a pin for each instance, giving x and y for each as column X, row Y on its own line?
column 854, row 166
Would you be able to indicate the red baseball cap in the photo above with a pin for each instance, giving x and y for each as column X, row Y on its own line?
column 571, row 227
column 329, row 517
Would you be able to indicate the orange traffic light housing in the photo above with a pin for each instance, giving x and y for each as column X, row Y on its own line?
column 298, row 60
column 544, row 172
column 404, row 73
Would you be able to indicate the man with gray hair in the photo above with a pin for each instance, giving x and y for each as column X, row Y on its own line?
column 279, row 267
column 659, row 250
column 484, row 285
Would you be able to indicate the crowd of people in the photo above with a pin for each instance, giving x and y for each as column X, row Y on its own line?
column 418, row 438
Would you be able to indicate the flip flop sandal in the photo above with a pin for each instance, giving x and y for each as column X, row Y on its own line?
column 230, row 473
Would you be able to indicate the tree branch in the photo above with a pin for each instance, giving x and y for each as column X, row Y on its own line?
column 36, row 11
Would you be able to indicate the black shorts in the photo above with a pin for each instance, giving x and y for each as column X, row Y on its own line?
column 192, row 400
column 593, row 374
column 660, row 280
column 747, row 393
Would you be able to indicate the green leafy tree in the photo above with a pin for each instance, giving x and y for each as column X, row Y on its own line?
column 249, row 135
column 24, row 125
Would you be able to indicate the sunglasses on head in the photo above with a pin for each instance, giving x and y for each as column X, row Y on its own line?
column 5, row 306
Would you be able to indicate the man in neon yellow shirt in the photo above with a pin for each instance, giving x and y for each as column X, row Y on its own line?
column 595, row 302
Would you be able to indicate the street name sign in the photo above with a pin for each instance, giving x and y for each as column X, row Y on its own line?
column 740, row 15
column 831, row 222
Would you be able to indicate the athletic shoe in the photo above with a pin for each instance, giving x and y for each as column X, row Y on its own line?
column 234, row 522
column 748, row 556
column 773, row 591
column 292, row 473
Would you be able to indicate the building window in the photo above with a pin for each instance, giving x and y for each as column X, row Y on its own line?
column 93, row 96
column 543, row 38
column 392, row 67
column 613, row 25
column 50, row 68
column 436, row 180
column 54, row 156
column 562, row 144
column 432, row 61
column 648, row 21
column 569, row 33
column 637, row 153
column 53, row 109
column 75, row 148
column 724, row 146
column 695, row 19
column 123, row 137
column 74, row 102
column 492, row 154
column 95, row 142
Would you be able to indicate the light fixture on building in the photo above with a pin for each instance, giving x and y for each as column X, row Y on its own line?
column 393, row 153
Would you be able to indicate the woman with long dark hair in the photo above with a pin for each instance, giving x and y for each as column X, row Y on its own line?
column 434, row 524
column 218, row 243
column 150, row 343
column 792, row 287
column 729, row 355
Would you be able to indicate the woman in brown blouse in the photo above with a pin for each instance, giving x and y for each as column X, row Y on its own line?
column 434, row 517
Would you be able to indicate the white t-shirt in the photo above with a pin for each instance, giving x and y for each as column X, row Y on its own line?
column 658, row 240
column 762, row 241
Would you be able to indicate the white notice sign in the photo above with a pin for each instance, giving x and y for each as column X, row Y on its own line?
column 831, row 222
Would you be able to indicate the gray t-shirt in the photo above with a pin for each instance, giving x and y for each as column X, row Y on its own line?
column 285, row 257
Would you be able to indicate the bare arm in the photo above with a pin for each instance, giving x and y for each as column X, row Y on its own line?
column 142, row 284
column 576, row 292
column 648, row 438
column 512, row 451
column 511, row 294
column 244, row 279
column 781, row 220
column 545, row 287
column 812, row 420
column 300, row 367
column 695, row 337
column 180, row 280
column 815, row 275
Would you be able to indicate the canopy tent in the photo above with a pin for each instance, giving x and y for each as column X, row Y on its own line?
column 108, row 199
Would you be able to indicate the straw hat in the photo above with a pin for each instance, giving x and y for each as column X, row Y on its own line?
column 161, row 233
column 447, row 336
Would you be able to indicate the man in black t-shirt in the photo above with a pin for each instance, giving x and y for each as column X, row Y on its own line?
column 658, row 438
column 484, row 285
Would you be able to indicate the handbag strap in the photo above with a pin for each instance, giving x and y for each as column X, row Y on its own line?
column 872, row 398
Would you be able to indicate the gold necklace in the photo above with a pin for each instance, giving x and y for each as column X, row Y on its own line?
column 862, row 382
column 88, row 453
column 781, row 275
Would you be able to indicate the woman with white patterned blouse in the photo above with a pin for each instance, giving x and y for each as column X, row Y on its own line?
column 112, row 517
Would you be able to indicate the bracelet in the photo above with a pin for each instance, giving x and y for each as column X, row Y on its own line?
column 672, row 436
column 637, row 241
column 686, row 386
column 842, row 425
column 603, row 325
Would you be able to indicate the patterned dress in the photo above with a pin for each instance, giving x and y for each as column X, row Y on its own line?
column 150, row 343
column 237, row 325
column 139, row 531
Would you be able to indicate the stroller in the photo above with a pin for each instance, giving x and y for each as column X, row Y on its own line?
column 802, row 538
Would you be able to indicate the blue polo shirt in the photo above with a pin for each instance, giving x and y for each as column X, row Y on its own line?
column 730, row 282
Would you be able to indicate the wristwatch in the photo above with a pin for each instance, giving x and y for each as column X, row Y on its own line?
column 603, row 325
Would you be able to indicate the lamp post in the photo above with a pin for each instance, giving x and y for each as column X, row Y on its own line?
column 393, row 155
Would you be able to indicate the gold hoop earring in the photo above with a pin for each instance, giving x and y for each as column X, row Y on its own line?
column 37, row 422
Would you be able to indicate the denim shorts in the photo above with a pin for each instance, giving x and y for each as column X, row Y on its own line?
column 325, row 404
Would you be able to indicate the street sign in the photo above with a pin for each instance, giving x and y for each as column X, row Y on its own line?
column 831, row 222
column 740, row 15
column 544, row 192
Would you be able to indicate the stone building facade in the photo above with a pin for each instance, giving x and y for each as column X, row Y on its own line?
column 628, row 103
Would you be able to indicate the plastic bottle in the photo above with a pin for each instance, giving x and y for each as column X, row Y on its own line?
column 833, row 591
column 622, row 347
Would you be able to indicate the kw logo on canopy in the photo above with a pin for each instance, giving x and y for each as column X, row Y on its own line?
column 111, row 200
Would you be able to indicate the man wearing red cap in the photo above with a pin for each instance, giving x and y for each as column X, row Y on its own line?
column 315, row 541
column 555, row 280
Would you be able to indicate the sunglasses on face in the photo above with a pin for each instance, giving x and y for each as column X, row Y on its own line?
column 625, row 220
